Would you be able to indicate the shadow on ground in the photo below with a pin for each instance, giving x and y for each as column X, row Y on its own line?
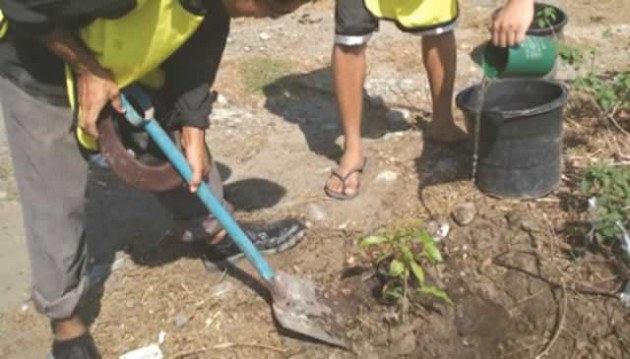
column 307, row 99
column 441, row 163
column 119, row 218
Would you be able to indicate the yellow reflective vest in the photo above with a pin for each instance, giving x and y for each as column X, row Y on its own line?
column 133, row 46
column 415, row 15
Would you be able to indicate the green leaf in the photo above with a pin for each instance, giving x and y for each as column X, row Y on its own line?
column 406, row 252
column 372, row 241
column 430, row 248
column 394, row 292
column 418, row 272
column 436, row 292
column 396, row 268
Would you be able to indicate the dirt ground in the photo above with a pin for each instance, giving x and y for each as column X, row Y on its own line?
column 517, row 290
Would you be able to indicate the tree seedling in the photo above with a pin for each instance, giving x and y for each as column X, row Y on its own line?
column 401, row 257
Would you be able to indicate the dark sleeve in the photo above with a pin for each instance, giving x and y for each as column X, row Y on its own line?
column 37, row 17
column 191, row 70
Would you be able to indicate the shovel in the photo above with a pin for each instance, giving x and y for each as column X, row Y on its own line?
column 296, row 302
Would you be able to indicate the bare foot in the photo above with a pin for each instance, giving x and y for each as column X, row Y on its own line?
column 350, row 161
column 445, row 131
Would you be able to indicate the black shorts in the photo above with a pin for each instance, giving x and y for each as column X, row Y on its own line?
column 354, row 24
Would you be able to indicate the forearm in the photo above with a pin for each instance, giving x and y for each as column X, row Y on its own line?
column 71, row 51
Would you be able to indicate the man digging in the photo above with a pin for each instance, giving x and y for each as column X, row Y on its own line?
column 91, row 49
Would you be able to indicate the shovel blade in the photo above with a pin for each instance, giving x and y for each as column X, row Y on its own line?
column 298, row 307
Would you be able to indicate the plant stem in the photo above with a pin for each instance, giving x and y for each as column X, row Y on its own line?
column 404, row 306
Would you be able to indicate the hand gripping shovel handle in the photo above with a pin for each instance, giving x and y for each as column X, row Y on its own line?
column 178, row 161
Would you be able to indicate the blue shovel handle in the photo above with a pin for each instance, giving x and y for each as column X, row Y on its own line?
column 178, row 161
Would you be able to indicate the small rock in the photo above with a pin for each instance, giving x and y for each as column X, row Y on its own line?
column 406, row 85
column 514, row 218
column 386, row 176
column 264, row 36
column 464, row 213
column 180, row 320
column 316, row 213
column 161, row 337
column 392, row 135
column 118, row 263
column 528, row 225
column 438, row 229
column 25, row 307
column 149, row 352
column 222, row 100
column 247, row 48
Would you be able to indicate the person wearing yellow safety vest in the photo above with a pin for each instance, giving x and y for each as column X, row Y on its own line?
column 58, row 54
column 434, row 21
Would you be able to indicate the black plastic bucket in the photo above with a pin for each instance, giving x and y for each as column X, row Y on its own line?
column 520, row 140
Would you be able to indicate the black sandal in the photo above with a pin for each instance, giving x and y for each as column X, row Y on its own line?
column 342, row 196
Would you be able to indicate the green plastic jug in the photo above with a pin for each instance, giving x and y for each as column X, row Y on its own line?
column 534, row 56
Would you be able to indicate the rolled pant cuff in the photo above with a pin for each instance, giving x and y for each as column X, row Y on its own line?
column 63, row 307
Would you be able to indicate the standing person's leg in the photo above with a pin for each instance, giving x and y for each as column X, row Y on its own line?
column 51, row 176
column 439, row 54
column 354, row 26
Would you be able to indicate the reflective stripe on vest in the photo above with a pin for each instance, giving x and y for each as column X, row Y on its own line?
column 415, row 14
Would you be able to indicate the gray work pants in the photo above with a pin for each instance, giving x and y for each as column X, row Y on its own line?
column 51, row 175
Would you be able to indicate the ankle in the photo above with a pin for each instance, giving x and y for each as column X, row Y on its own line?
column 67, row 329
column 353, row 149
column 442, row 119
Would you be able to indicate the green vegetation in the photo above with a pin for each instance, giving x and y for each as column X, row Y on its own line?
column 610, row 186
column 545, row 17
column 402, row 255
column 260, row 71
column 608, row 93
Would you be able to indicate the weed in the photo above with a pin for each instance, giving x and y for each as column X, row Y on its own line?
column 570, row 55
column 260, row 71
column 610, row 187
column 402, row 256
column 609, row 94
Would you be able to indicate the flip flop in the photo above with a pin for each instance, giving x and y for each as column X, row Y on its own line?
column 341, row 195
